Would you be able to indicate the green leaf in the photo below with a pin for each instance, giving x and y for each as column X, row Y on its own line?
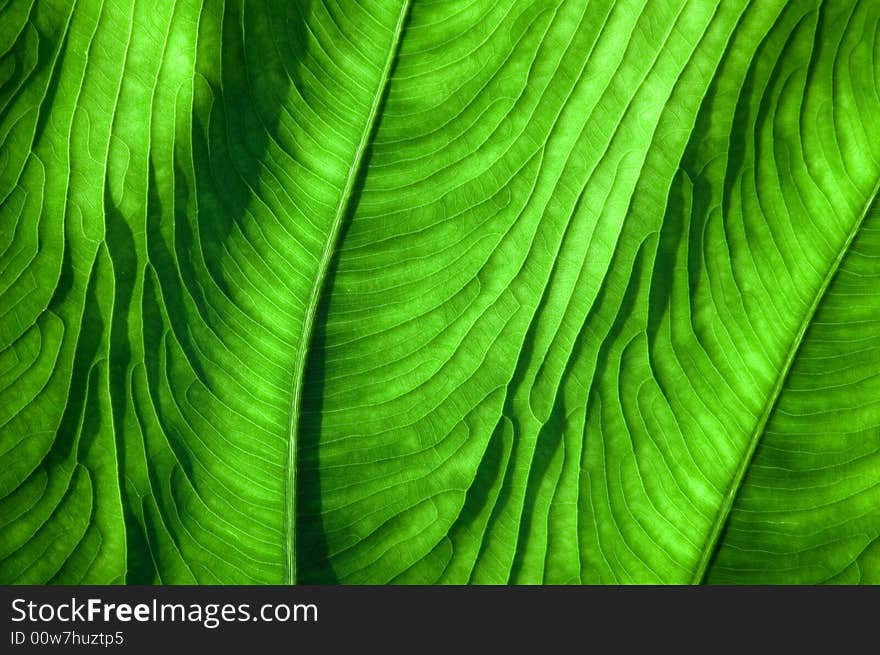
column 439, row 292
column 809, row 507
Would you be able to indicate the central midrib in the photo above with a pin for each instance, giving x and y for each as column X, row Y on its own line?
column 315, row 296
column 736, row 483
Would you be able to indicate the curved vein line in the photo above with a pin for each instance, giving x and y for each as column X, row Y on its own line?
column 315, row 297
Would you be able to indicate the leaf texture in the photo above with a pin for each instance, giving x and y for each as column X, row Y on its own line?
column 439, row 291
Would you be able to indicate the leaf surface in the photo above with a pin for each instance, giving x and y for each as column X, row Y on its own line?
column 439, row 292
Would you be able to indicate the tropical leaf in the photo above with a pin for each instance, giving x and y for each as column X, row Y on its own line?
column 439, row 291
